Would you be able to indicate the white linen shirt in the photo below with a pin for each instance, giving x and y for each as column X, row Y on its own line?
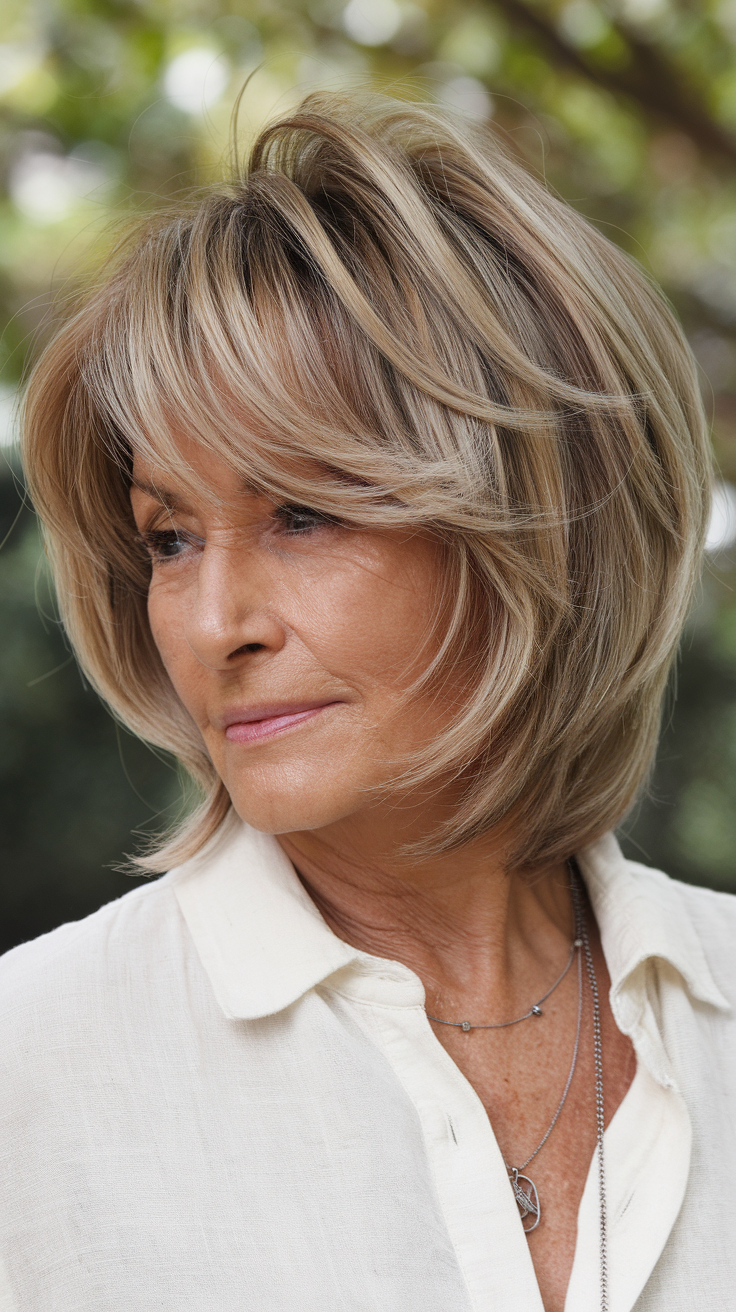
column 208, row 1101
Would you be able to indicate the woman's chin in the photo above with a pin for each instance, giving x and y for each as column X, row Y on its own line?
column 294, row 811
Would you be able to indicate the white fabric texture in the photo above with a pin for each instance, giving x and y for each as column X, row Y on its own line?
column 208, row 1101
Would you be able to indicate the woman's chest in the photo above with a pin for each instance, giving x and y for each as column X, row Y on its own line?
column 537, row 1084
column 330, row 1156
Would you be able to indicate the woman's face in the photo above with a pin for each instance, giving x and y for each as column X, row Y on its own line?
column 290, row 640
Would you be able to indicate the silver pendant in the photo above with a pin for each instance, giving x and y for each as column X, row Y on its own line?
column 527, row 1199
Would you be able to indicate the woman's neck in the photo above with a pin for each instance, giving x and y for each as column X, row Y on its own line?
column 477, row 936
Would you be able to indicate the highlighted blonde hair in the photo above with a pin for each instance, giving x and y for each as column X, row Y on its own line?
column 383, row 316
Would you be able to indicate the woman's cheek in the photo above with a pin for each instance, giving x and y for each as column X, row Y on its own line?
column 168, row 630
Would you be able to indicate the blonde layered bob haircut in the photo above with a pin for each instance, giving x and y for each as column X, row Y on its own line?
column 385, row 317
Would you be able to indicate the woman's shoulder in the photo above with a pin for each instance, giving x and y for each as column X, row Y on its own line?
column 696, row 920
column 644, row 913
column 696, row 893
column 712, row 913
column 712, row 910
column 85, row 1007
column 84, row 957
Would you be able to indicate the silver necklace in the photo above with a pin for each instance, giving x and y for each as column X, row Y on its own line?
column 528, row 1199
column 600, row 1123
column 534, row 1010
column 525, row 1190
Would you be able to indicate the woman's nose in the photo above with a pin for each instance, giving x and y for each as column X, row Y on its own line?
column 230, row 613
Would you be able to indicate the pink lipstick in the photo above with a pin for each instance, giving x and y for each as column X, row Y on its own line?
column 255, row 723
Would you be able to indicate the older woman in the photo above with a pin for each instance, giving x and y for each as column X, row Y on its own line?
column 375, row 485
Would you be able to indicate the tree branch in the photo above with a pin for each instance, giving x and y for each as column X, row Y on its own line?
column 650, row 80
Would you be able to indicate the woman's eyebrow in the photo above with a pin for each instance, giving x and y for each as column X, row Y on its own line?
column 167, row 498
column 174, row 501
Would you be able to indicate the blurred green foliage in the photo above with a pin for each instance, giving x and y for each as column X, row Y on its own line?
column 108, row 107
column 72, row 787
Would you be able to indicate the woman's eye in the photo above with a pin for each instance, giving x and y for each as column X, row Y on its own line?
column 164, row 544
column 301, row 519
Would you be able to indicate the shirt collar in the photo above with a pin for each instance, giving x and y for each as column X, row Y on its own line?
column 259, row 936
column 642, row 916
column 264, row 944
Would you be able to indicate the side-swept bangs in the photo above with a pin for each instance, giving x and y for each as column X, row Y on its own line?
column 385, row 317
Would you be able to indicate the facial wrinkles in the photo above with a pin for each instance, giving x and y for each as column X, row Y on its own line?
column 250, row 614
column 334, row 594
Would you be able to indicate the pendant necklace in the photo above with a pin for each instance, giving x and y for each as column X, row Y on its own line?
column 527, row 1197
column 524, row 1189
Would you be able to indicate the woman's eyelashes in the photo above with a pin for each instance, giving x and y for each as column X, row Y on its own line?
column 168, row 544
column 298, row 521
column 164, row 545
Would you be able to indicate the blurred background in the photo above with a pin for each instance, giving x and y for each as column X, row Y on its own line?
column 108, row 107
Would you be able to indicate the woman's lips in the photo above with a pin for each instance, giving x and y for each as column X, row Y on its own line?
column 251, row 725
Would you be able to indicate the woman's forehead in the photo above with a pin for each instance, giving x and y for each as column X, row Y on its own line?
column 190, row 473
column 181, row 471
